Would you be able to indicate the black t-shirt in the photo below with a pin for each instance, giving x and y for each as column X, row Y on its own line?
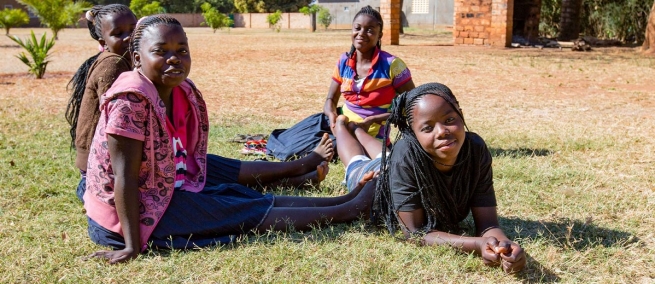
column 403, row 182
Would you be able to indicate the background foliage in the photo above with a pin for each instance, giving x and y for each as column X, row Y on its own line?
column 215, row 19
column 10, row 18
column 57, row 14
column 624, row 20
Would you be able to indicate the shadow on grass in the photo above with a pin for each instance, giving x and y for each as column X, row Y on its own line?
column 519, row 152
column 567, row 234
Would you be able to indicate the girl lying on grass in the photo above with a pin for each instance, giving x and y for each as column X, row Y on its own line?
column 436, row 173
column 147, row 183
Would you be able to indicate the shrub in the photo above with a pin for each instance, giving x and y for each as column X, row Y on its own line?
column 142, row 8
column 56, row 14
column 625, row 20
column 214, row 19
column 37, row 50
column 274, row 20
column 10, row 18
column 324, row 17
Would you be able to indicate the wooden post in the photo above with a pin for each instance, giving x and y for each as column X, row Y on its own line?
column 390, row 10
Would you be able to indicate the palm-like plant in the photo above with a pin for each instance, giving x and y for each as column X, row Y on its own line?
column 10, row 18
column 37, row 50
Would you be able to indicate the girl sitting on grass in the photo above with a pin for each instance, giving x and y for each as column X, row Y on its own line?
column 111, row 25
column 367, row 77
column 147, row 179
column 436, row 173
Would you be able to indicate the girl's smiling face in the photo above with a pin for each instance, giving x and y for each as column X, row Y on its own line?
column 366, row 33
column 116, row 30
column 163, row 56
column 438, row 128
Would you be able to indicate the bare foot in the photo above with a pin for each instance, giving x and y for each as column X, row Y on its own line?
column 324, row 151
column 322, row 170
column 312, row 179
column 325, row 148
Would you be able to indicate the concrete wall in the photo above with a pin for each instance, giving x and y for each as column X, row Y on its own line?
column 250, row 20
column 440, row 13
column 189, row 20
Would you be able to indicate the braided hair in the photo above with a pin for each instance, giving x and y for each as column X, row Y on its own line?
column 145, row 22
column 444, row 206
column 77, row 84
column 369, row 11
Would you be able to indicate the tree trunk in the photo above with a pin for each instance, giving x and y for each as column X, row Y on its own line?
column 649, row 42
column 312, row 22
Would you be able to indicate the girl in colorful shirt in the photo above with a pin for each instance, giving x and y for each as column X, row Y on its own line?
column 367, row 77
column 147, row 174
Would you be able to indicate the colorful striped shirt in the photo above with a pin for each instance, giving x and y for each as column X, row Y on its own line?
column 387, row 74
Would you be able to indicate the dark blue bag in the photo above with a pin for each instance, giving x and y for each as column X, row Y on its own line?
column 301, row 139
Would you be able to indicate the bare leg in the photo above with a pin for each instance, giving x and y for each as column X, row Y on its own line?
column 301, row 218
column 311, row 179
column 298, row 201
column 263, row 173
column 348, row 146
column 372, row 146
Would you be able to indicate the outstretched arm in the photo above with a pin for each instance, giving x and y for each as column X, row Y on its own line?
column 493, row 246
column 125, row 156
column 330, row 107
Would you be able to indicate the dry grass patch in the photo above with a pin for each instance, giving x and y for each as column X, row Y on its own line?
column 571, row 135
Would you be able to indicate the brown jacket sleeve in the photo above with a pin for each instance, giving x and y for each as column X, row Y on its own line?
column 102, row 74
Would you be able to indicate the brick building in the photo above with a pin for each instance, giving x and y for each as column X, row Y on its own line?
column 476, row 22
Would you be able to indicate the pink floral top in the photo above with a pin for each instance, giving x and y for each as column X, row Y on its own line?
column 132, row 108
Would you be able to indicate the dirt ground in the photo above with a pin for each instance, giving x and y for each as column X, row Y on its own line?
column 286, row 75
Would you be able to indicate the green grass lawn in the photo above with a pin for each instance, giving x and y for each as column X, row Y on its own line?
column 570, row 134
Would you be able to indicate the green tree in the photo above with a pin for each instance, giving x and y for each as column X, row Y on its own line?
column 286, row 5
column 250, row 6
column 324, row 17
column 215, row 19
column 10, row 18
column 56, row 14
column 311, row 12
column 142, row 8
column 274, row 20
column 37, row 50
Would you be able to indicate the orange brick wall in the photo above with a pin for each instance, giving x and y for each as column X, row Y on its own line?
column 390, row 11
column 483, row 22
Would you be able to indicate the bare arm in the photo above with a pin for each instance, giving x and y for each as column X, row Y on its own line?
column 486, row 245
column 330, row 107
column 413, row 220
column 125, row 156
column 408, row 86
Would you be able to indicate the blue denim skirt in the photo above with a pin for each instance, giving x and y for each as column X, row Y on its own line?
column 216, row 215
